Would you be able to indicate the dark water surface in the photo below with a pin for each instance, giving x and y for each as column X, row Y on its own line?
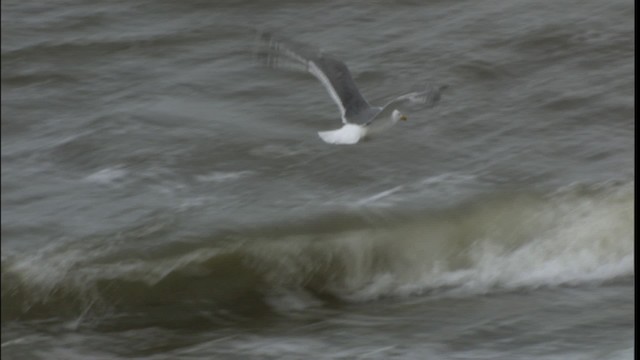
column 165, row 197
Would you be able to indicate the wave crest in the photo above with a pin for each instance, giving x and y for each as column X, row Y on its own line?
column 511, row 241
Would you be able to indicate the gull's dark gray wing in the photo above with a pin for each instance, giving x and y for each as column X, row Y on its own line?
column 332, row 73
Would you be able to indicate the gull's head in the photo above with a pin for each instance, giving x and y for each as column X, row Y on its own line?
column 397, row 116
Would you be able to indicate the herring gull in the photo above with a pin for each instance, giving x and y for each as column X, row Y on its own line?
column 358, row 116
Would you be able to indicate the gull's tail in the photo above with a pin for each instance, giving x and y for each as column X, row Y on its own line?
column 347, row 135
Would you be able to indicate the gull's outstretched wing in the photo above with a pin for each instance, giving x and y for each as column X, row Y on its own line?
column 418, row 99
column 332, row 73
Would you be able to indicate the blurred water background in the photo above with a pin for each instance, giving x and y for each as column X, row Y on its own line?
column 166, row 197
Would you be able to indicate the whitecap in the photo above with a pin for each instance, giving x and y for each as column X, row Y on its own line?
column 223, row 176
column 107, row 175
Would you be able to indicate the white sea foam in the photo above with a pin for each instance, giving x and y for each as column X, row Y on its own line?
column 107, row 175
column 568, row 240
column 223, row 176
column 374, row 198
column 510, row 242
column 441, row 186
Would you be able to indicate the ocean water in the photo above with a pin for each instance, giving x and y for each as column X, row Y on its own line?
column 165, row 196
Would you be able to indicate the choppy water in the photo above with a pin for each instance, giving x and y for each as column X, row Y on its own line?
column 165, row 197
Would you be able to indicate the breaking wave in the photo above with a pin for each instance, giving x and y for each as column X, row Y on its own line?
column 507, row 242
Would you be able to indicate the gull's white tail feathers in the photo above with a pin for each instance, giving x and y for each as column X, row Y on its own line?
column 347, row 135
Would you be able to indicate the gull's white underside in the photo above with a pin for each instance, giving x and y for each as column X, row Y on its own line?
column 346, row 135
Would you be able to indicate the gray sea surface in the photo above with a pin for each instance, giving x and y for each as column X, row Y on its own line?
column 165, row 196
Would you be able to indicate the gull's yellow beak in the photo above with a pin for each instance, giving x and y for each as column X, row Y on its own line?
column 403, row 118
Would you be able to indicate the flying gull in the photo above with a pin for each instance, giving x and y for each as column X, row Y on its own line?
column 358, row 116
